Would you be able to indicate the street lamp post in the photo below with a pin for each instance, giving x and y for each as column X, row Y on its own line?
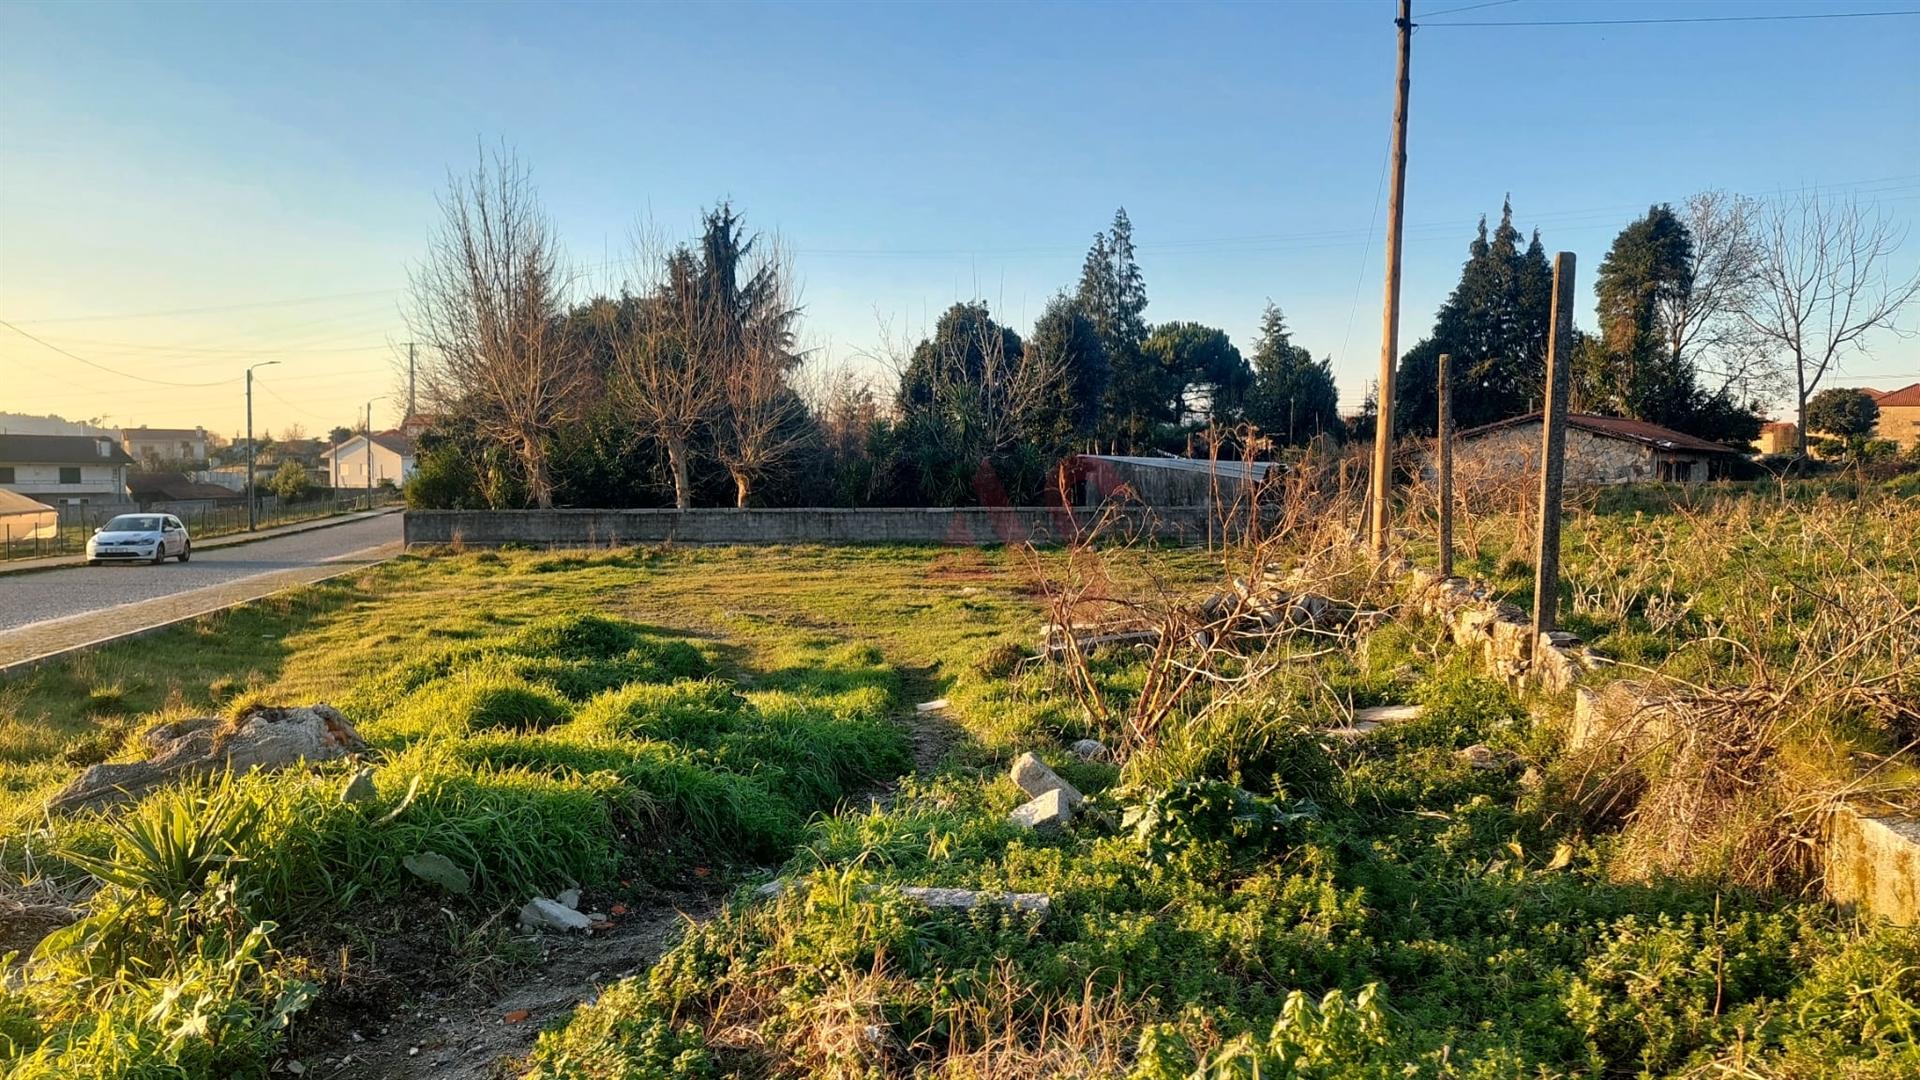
column 250, row 501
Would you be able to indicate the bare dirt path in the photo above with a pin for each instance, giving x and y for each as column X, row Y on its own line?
column 482, row 1034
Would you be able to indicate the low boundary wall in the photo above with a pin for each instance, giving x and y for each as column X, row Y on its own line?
column 957, row 526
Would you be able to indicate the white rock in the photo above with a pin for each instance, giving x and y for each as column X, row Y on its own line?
column 1092, row 750
column 968, row 899
column 544, row 914
column 570, row 898
column 1034, row 778
column 1044, row 813
column 935, row 705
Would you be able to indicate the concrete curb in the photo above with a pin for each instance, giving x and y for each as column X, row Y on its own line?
column 217, row 543
column 21, row 667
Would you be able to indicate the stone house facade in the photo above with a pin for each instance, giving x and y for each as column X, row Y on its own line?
column 1899, row 415
column 1600, row 450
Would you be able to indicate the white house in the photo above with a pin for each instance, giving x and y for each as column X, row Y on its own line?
column 364, row 461
column 65, row 470
column 164, row 444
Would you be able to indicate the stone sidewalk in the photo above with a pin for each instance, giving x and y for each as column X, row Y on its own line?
column 54, row 562
column 37, row 643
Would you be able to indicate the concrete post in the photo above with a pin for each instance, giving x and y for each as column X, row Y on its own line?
column 1553, row 452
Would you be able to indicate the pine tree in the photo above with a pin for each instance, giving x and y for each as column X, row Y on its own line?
column 1293, row 397
column 1066, row 339
column 1139, row 394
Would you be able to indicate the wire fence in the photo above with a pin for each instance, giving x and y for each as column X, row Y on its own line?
column 204, row 521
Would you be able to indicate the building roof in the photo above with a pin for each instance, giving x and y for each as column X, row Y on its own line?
column 396, row 441
column 145, row 432
column 174, row 487
column 61, row 450
column 1226, row 467
column 12, row 502
column 1613, row 427
column 1904, row 397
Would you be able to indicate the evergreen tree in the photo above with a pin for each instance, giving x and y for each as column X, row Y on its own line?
column 1065, row 339
column 1209, row 376
column 1494, row 325
column 1293, row 397
column 1139, row 394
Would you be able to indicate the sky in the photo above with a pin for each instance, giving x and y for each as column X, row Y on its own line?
column 189, row 189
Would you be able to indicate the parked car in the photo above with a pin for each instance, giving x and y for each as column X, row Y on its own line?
column 152, row 537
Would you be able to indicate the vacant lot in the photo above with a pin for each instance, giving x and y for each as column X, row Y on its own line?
column 1246, row 894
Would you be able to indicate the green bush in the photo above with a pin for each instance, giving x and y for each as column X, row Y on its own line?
column 622, row 1036
column 473, row 700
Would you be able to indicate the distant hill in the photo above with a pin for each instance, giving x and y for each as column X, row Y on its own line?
column 22, row 424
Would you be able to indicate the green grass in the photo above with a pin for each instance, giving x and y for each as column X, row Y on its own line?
column 1248, row 895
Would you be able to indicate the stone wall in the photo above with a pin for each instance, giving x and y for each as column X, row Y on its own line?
column 1868, row 862
column 958, row 526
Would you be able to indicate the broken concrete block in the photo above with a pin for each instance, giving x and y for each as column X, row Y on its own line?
column 570, row 898
column 968, row 899
column 1092, row 750
column 437, row 868
column 1045, row 813
column 1033, row 777
column 541, row 913
column 1873, row 864
column 935, row 705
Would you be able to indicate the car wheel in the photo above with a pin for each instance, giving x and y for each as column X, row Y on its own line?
column 186, row 549
column 159, row 553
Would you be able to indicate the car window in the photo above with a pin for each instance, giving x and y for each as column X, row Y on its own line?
column 174, row 523
column 133, row 523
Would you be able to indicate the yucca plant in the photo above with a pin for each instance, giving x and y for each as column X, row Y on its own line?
column 169, row 845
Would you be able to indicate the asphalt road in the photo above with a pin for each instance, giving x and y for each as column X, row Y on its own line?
column 26, row 599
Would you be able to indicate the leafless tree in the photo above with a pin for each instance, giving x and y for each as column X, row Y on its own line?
column 486, row 308
column 666, row 363
column 1703, row 323
column 759, row 424
column 1827, row 277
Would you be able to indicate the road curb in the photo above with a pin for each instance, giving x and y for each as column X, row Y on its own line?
column 221, row 543
column 21, row 667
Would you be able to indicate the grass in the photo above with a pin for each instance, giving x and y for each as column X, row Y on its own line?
column 1244, row 897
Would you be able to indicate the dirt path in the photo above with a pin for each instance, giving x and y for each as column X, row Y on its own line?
column 475, row 1035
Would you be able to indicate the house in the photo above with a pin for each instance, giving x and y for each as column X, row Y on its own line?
column 1899, row 415
column 1167, row 481
column 65, row 470
column 174, row 493
column 1778, row 437
column 1600, row 450
column 147, row 444
column 365, row 461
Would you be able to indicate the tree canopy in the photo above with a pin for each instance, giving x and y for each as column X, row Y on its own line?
column 1293, row 397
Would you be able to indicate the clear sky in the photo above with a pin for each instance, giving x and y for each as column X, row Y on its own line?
column 185, row 189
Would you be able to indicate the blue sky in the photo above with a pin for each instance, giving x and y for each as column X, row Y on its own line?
column 273, row 168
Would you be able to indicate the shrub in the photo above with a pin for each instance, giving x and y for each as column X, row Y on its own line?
column 622, row 1035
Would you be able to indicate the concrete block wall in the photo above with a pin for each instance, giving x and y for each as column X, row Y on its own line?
column 960, row 526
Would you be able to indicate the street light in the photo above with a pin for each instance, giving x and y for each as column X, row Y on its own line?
column 250, row 506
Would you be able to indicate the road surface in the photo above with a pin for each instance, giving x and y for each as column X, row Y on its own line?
column 85, row 594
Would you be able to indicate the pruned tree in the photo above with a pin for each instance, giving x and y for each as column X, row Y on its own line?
column 761, row 421
column 1826, row 279
column 665, row 367
column 486, row 305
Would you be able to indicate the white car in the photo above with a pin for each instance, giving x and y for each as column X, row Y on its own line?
column 152, row 537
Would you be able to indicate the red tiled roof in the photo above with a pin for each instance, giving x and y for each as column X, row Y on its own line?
column 1906, row 396
column 1614, row 427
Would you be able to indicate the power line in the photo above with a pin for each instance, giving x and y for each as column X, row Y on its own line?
column 105, row 368
column 217, row 308
column 1685, row 19
column 1469, row 7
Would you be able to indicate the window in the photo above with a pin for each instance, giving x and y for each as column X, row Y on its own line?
column 69, row 474
column 6, row 474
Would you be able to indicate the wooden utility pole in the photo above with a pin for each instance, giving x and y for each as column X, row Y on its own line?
column 1390, row 319
column 1553, row 451
column 1444, row 389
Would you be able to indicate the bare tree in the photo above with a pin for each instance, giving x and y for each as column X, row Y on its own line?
column 1703, row 323
column 759, row 425
column 1826, row 279
column 665, row 359
column 486, row 306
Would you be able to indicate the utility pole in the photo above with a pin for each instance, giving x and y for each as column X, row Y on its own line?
column 368, row 436
column 1445, row 391
column 250, row 448
column 1553, row 452
column 1390, row 318
column 409, row 381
